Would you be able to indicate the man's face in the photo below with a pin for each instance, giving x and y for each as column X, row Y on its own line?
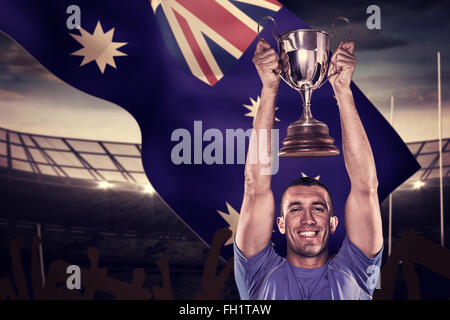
column 307, row 221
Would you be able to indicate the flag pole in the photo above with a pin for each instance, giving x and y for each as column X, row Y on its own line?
column 441, row 189
column 390, row 195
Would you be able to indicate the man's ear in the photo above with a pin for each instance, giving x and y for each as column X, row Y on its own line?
column 280, row 224
column 333, row 223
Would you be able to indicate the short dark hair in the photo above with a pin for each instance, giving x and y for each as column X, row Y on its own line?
column 308, row 182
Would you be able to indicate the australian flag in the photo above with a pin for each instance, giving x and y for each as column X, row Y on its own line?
column 186, row 64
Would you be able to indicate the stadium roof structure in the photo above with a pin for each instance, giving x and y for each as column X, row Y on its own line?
column 73, row 162
column 104, row 164
column 427, row 154
column 61, row 183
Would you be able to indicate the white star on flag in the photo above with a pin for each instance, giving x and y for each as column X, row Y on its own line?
column 232, row 218
column 304, row 176
column 253, row 107
column 99, row 47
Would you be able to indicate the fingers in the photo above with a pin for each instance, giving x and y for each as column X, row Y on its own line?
column 345, row 64
column 342, row 65
column 344, row 57
column 332, row 68
column 265, row 53
column 277, row 70
column 269, row 57
column 265, row 57
column 262, row 45
column 341, row 60
column 269, row 66
column 269, row 62
column 343, row 53
column 348, row 46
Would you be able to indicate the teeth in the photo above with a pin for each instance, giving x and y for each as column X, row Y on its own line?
column 307, row 234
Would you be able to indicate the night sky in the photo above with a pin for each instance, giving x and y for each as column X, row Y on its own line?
column 399, row 60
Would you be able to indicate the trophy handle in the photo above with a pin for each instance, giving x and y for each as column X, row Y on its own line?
column 327, row 79
column 275, row 37
column 333, row 28
column 273, row 29
column 333, row 33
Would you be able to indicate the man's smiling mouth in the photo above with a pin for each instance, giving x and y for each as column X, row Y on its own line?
column 308, row 234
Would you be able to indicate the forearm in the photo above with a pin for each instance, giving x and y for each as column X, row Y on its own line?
column 358, row 155
column 260, row 146
column 258, row 206
column 362, row 209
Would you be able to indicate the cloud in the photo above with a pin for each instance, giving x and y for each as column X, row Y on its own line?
column 320, row 15
column 40, row 117
column 410, row 88
column 9, row 95
column 21, row 62
column 379, row 42
column 397, row 79
column 419, row 123
column 324, row 11
column 369, row 40
column 399, row 20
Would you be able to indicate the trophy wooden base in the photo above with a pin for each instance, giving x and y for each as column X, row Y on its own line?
column 308, row 139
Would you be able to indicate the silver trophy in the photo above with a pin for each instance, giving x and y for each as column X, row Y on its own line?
column 304, row 55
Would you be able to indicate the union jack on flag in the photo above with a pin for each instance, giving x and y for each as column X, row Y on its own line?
column 208, row 36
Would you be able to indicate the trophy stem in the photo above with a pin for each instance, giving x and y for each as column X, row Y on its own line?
column 306, row 98
column 308, row 137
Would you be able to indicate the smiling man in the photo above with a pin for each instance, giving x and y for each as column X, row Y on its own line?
column 306, row 215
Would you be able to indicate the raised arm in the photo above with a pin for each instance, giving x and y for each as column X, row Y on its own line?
column 362, row 209
column 258, row 207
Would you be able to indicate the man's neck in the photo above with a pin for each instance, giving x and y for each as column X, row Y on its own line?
column 307, row 262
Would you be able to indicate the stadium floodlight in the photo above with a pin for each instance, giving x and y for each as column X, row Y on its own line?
column 418, row 184
column 104, row 185
column 148, row 189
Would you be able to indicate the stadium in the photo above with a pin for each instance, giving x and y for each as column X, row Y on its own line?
column 84, row 193
column 92, row 193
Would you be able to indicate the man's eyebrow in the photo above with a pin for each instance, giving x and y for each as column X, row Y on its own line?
column 294, row 203
column 320, row 203
column 297, row 203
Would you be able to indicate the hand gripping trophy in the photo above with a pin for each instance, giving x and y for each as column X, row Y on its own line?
column 304, row 55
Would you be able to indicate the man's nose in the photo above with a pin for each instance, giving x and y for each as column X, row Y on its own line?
column 307, row 218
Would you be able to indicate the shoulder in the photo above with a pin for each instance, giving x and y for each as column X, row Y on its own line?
column 350, row 255
column 266, row 258
column 250, row 273
column 352, row 266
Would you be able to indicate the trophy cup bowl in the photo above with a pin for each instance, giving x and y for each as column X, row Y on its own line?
column 304, row 55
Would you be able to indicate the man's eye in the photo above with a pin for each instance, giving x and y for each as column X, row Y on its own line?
column 295, row 210
column 318, row 209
